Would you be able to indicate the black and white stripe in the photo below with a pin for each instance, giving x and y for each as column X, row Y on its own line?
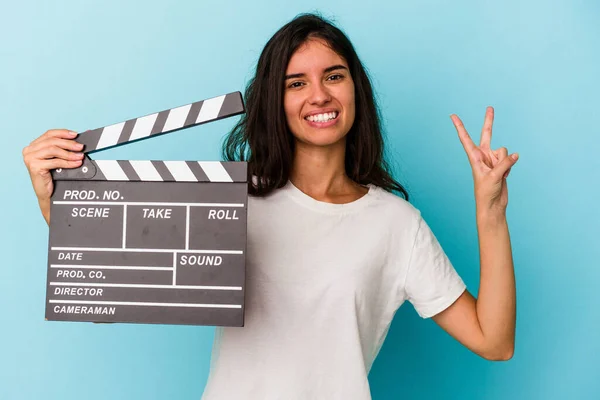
column 157, row 171
column 163, row 122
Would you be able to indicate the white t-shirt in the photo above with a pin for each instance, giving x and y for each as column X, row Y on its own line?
column 323, row 284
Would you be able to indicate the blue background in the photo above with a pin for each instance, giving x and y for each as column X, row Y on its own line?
column 83, row 65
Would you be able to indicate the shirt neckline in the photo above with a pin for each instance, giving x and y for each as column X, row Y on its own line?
column 299, row 196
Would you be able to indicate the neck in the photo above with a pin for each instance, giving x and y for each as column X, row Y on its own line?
column 320, row 170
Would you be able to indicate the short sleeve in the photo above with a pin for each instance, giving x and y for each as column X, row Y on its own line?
column 432, row 284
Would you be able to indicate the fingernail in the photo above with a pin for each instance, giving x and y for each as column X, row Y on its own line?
column 515, row 156
column 73, row 133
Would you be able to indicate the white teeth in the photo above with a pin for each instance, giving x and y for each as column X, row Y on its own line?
column 322, row 117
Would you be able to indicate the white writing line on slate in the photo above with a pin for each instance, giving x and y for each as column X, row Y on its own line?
column 135, row 285
column 146, row 250
column 143, row 268
column 134, row 303
column 143, row 203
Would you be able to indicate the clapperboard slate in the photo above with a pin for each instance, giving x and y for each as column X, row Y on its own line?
column 150, row 241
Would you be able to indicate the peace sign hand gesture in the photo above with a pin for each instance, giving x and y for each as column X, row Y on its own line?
column 490, row 167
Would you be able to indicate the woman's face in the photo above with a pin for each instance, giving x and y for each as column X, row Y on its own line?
column 319, row 95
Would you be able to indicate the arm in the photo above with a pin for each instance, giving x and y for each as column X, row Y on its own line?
column 45, row 209
column 487, row 325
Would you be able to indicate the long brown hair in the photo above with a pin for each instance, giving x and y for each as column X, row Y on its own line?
column 262, row 137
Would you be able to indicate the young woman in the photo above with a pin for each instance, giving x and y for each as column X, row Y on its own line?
column 332, row 252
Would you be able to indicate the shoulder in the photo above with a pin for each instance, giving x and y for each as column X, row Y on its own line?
column 395, row 215
column 393, row 204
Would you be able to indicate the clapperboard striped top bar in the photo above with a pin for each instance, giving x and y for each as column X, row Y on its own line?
column 156, row 171
column 166, row 121
column 163, row 122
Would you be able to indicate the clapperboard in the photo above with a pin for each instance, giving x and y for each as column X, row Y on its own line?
column 150, row 241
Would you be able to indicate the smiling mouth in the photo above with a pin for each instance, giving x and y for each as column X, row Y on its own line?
column 323, row 117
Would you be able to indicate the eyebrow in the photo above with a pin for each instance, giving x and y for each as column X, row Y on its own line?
column 326, row 70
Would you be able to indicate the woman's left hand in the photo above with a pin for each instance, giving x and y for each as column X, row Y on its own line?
column 490, row 167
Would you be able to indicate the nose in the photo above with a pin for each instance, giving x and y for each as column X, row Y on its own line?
column 319, row 94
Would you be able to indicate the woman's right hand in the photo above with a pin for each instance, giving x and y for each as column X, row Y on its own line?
column 54, row 149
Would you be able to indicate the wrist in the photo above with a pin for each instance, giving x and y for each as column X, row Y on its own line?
column 487, row 209
column 491, row 218
column 45, row 209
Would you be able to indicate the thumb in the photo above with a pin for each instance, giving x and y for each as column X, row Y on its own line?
column 502, row 169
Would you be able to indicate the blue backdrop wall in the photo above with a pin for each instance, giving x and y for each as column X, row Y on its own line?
column 83, row 65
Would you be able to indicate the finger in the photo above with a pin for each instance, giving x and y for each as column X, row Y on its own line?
column 55, row 152
column 503, row 166
column 463, row 135
column 43, row 166
column 499, row 150
column 507, row 173
column 501, row 153
column 67, row 144
column 486, row 132
column 60, row 133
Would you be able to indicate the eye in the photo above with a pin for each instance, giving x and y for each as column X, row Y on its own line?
column 335, row 77
column 296, row 84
